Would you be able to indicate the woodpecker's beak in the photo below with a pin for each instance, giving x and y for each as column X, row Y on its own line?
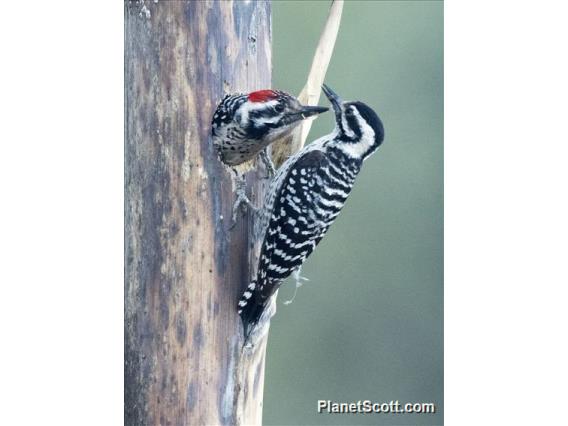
column 333, row 98
column 302, row 113
column 308, row 111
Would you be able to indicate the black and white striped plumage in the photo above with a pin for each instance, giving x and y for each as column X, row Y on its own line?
column 305, row 197
column 244, row 125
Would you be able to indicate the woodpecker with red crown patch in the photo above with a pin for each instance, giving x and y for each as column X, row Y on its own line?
column 244, row 125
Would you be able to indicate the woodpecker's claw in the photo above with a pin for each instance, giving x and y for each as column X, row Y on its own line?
column 241, row 200
column 268, row 164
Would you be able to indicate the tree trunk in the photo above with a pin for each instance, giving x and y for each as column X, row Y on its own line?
column 184, row 268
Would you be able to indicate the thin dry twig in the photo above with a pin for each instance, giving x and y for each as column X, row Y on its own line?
column 310, row 94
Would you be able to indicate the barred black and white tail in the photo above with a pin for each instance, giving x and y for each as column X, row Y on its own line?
column 244, row 306
column 251, row 307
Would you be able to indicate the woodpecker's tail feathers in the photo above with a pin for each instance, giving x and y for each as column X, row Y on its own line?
column 249, row 308
column 250, row 316
column 256, row 319
column 256, row 311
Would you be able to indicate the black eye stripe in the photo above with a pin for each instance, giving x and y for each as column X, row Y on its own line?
column 353, row 124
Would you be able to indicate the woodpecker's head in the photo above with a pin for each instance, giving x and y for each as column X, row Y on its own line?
column 359, row 129
column 271, row 114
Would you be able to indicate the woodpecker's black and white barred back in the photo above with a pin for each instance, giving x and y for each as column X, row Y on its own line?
column 303, row 200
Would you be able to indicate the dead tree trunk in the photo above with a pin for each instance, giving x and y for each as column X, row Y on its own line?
column 184, row 270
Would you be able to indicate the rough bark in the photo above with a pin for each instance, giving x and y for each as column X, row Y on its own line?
column 184, row 269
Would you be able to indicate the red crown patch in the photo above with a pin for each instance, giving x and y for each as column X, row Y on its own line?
column 262, row 96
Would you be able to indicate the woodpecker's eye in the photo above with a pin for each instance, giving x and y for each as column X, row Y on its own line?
column 349, row 112
column 279, row 108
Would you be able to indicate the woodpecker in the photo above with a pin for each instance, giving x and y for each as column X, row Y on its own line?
column 303, row 200
column 244, row 125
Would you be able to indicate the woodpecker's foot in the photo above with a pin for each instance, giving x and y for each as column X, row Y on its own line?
column 268, row 164
column 241, row 201
column 298, row 279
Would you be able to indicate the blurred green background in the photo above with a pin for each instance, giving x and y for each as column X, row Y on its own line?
column 369, row 324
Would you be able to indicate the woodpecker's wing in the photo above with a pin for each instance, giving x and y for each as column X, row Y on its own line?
column 302, row 214
column 305, row 208
column 278, row 182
